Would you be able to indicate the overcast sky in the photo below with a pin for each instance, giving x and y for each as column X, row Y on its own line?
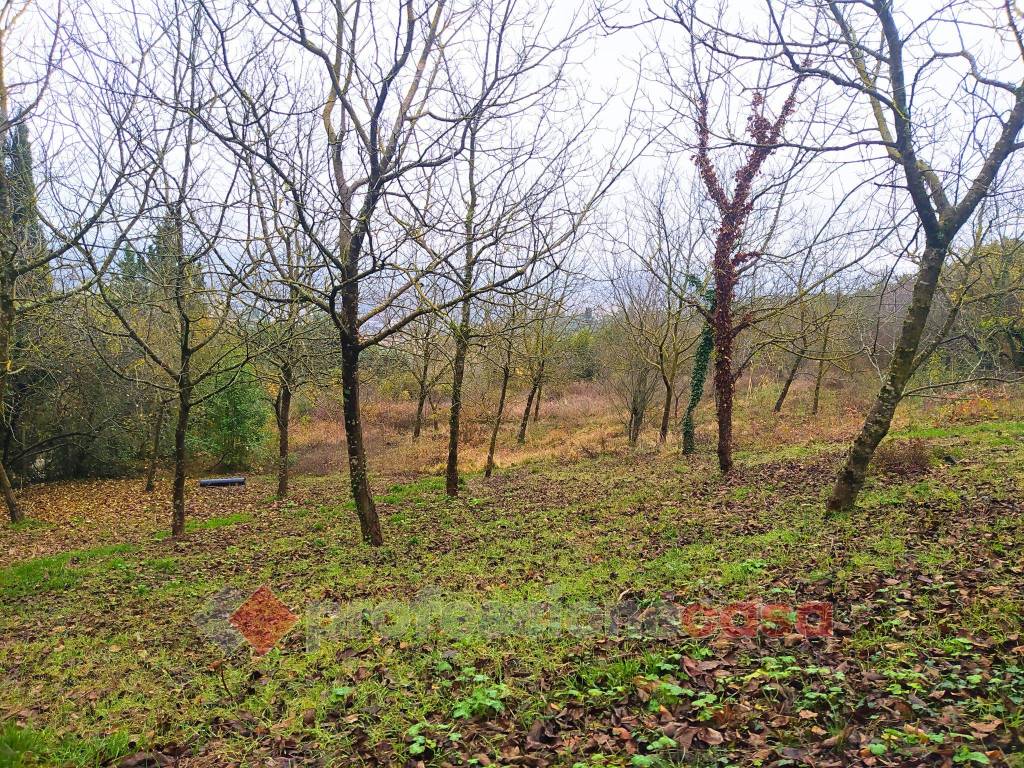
column 629, row 67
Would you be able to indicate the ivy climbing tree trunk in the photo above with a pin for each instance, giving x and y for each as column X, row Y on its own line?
column 698, row 376
column 734, row 209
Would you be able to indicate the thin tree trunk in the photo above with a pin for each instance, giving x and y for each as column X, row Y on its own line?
column 180, row 456
column 506, row 372
column 666, row 413
column 13, row 508
column 821, row 373
column 369, row 523
column 537, row 399
column 636, row 421
column 421, row 400
column 451, row 473
column 698, row 378
column 789, row 381
column 817, row 386
column 521, row 437
column 901, row 368
column 434, row 424
column 154, row 453
column 282, row 410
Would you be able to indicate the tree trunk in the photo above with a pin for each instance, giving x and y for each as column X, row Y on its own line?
column 666, row 413
column 451, row 473
column 733, row 213
column 6, row 339
column 283, row 410
column 536, row 400
column 789, row 381
column 635, row 423
column 698, row 378
column 421, row 400
column 180, row 456
column 901, row 368
column 817, row 387
column 506, row 372
column 13, row 508
column 822, row 367
column 369, row 523
column 724, row 381
column 521, row 437
column 154, row 453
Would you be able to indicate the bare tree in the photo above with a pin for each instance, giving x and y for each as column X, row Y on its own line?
column 424, row 351
column 540, row 333
column 631, row 376
column 521, row 229
column 501, row 328
column 875, row 52
column 298, row 345
column 396, row 110
column 650, row 283
column 184, row 318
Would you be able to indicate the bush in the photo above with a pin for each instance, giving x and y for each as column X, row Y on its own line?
column 229, row 427
column 972, row 410
column 903, row 458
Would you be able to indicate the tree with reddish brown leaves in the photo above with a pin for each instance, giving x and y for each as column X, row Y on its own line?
column 728, row 261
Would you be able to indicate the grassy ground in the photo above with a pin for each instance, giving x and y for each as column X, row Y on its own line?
column 106, row 654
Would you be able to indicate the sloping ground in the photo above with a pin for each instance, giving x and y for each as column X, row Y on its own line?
column 529, row 622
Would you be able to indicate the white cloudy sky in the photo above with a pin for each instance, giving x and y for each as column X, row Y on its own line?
column 613, row 67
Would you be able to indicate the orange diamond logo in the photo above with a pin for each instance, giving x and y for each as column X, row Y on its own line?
column 263, row 620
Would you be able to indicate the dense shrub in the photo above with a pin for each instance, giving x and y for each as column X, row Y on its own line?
column 972, row 410
column 230, row 425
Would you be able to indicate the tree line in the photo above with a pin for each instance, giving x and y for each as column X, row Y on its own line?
column 207, row 203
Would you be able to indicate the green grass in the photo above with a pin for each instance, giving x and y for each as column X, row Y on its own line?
column 53, row 573
column 107, row 643
column 211, row 523
column 29, row 748
column 989, row 432
column 413, row 493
